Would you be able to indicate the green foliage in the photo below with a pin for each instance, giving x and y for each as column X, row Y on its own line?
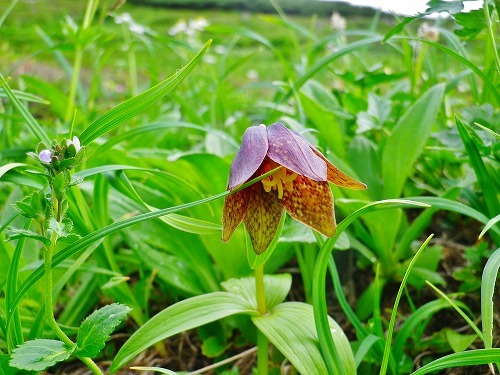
column 407, row 107
column 39, row 354
column 97, row 327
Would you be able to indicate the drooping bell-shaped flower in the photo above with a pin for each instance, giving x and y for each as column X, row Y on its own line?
column 300, row 186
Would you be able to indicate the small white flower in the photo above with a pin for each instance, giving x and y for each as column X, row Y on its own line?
column 337, row 22
column 137, row 29
column 180, row 27
column 198, row 24
column 123, row 18
column 45, row 156
column 75, row 142
column 253, row 75
column 429, row 32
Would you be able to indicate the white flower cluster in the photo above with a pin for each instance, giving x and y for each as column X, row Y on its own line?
column 190, row 28
column 134, row 27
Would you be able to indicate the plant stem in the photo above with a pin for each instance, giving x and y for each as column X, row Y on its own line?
column 262, row 354
column 49, row 311
column 262, row 341
column 259, row 288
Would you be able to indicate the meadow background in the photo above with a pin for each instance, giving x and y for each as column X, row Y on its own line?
column 409, row 106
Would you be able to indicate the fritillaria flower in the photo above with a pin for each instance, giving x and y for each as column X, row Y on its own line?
column 299, row 187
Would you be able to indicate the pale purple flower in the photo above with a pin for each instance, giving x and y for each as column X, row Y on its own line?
column 45, row 156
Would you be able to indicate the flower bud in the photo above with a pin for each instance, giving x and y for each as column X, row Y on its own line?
column 45, row 156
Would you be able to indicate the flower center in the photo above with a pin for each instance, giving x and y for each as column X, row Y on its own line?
column 280, row 180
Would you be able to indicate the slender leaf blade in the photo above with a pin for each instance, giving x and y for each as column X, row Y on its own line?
column 467, row 358
column 128, row 109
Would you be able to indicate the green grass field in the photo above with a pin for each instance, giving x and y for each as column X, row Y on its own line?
column 120, row 129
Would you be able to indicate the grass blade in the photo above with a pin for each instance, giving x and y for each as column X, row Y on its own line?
column 128, row 109
column 490, row 274
column 467, row 358
column 390, row 330
column 319, row 293
column 483, row 177
column 33, row 125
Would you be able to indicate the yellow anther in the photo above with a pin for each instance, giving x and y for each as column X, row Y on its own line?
column 279, row 180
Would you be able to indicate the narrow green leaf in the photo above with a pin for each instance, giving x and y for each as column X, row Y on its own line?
column 128, row 109
column 26, row 97
column 416, row 319
column 190, row 313
column 468, row 358
column 97, row 328
column 392, row 322
column 290, row 327
column 34, row 126
column 364, row 347
column 483, row 177
column 489, row 278
column 7, row 167
column 319, row 294
column 37, row 355
column 408, row 139
column 454, row 206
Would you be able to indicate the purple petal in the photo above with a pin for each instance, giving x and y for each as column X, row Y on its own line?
column 252, row 152
column 292, row 151
column 45, row 156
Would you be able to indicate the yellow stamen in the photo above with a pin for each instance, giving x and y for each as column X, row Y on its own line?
column 278, row 179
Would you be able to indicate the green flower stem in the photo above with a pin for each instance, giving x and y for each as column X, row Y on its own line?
column 49, row 310
column 259, row 288
column 262, row 354
column 262, row 341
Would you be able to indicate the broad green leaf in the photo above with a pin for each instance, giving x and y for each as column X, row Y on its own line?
column 276, row 289
column 470, row 23
column 457, row 341
column 324, row 110
column 290, row 327
column 128, row 109
column 97, row 328
column 468, row 358
column 17, row 233
column 39, row 354
column 182, row 316
column 408, row 139
column 489, row 278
